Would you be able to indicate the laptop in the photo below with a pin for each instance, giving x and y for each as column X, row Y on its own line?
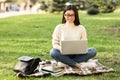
column 73, row 47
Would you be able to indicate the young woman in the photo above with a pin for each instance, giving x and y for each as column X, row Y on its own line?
column 70, row 29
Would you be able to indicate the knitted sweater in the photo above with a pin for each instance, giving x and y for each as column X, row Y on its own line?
column 67, row 32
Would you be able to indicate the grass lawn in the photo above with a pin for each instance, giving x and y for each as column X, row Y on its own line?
column 31, row 35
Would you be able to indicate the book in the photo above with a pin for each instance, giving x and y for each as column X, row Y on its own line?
column 51, row 69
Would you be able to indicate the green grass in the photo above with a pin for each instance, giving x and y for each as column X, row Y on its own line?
column 31, row 35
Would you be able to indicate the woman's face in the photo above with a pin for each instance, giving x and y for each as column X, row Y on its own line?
column 69, row 16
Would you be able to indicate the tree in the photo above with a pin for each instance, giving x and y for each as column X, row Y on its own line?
column 105, row 6
column 11, row 0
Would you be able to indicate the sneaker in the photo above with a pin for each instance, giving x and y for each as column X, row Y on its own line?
column 60, row 64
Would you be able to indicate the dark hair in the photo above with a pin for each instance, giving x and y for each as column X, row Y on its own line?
column 71, row 7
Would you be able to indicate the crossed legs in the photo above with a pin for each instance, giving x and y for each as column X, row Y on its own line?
column 73, row 60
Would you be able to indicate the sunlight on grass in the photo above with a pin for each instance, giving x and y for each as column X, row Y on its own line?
column 31, row 35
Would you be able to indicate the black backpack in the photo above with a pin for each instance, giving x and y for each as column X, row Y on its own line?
column 27, row 65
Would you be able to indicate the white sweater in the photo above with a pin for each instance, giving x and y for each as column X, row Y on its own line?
column 68, row 32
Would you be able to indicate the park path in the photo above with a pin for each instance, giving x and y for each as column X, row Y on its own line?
column 14, row 13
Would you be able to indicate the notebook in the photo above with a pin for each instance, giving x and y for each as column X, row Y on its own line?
column 73, row 47
column 51, row 69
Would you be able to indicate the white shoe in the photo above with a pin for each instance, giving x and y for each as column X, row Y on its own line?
column 60, row 64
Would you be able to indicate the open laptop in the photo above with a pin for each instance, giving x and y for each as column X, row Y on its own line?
column 73, row 47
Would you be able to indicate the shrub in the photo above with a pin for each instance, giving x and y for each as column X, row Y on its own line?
column 93, row 10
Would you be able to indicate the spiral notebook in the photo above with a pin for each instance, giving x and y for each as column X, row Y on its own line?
column 51, row 69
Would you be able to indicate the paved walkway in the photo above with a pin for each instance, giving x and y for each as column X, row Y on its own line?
column 8, row 14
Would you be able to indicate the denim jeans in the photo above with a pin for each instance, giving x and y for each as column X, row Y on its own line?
column 71, row 60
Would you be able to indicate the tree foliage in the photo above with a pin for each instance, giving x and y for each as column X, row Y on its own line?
column 11, row 0
column 105, row 5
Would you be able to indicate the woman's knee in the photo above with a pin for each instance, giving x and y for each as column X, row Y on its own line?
column 54, row 52
column 92, row 51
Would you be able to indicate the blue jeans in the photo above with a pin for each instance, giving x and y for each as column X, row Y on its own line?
column 71, row 60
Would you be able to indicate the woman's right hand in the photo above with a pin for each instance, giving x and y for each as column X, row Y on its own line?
column 59, row 48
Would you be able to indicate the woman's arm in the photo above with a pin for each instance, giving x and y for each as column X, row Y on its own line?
column 56, row 38
column 84, row 33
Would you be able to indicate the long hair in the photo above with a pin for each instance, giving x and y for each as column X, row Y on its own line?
column 71, row 7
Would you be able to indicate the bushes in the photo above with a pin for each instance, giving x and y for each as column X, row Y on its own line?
column 102, row 6
column 93, row 10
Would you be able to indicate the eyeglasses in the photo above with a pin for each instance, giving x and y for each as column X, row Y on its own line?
column 69, row 15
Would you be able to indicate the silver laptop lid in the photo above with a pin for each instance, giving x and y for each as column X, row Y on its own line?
column 74, row 47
